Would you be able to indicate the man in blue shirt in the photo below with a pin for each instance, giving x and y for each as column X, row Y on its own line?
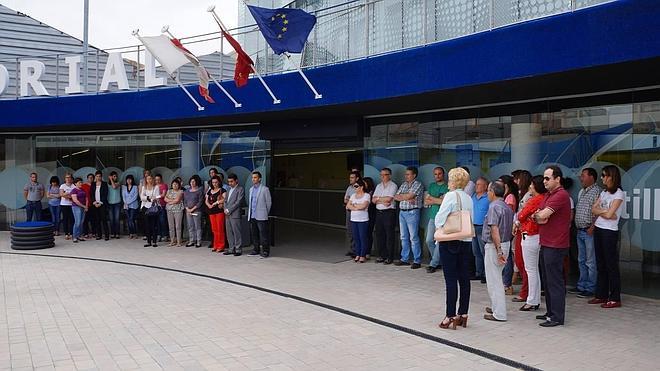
column 479, row 209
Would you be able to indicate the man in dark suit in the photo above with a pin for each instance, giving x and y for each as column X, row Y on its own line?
column 99, row 206
column 259, row 203
column 233, row 204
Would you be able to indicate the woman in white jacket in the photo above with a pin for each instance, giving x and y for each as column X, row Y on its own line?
column 150, row 194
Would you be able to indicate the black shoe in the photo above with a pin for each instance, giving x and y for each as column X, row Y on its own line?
column 399, row 263
column 543, row 317
column 147, row 245
column 198, row 245
column 254, row 253
column 527, row 308
column 238, row 253
column 483, row 280
column 98, row 238
column 265, row 255
column 431, row 269
column 574, row 291
column 228, row 252
column 380, row 260
column 550, row 324
column 190, row 244
column 154, row 245
column 107, row 238
column 415, row 266
column 387, row 262
column 585, row 294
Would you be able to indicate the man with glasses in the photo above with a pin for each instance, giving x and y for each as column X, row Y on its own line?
column 353, row 176
column 383, row 198
column 433, row 199
column 554, row 219
column 410, row 201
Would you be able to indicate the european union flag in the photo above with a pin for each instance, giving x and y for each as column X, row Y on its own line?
column 285, row 29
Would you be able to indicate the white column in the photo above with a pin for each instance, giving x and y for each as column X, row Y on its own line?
column 525, row 142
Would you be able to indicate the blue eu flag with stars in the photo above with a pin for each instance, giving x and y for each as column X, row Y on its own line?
column 285, row 29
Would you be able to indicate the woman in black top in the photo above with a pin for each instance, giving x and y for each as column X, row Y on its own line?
column 215, row 202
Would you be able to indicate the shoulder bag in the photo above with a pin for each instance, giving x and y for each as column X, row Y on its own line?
column 458, row 225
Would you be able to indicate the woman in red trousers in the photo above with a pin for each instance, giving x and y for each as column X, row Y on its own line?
column 215, row 202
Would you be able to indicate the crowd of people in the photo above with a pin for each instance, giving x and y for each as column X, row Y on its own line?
column 520, row 227
column 92, row 209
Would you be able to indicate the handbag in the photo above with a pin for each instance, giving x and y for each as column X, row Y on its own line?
column 154, row 209
column 458, row 225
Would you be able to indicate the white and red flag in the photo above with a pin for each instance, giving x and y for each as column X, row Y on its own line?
column 172, row 55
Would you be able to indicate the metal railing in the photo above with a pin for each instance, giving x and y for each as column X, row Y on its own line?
column 345, row 30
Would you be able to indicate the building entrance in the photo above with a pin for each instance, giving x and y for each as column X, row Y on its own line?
column 310, row 180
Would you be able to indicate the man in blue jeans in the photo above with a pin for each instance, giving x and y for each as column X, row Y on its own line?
column 480, row 204
column 114, row 203
column 409, row 196
column 33, row 192
column 584, row 221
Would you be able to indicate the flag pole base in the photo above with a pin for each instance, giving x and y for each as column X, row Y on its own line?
column 277, row 101
column 238, row 105
column 200, row 108
column 318, row 96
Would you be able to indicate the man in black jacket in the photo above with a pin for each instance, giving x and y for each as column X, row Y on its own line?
column 99, row 206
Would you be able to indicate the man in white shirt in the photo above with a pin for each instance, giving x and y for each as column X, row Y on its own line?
column 383, row 198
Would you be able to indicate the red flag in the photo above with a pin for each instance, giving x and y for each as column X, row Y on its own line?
column 202, row 73
column 243, row 62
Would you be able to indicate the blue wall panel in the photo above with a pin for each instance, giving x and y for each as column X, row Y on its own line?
column 621, row 31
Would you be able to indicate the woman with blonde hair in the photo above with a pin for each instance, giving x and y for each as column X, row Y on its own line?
column 455, row 255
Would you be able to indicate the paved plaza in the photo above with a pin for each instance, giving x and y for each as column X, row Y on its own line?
column 67, row 314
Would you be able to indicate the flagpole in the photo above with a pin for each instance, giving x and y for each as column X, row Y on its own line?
column 176, row 78
column 211, row 10
column 300, row 71
column 236, row 104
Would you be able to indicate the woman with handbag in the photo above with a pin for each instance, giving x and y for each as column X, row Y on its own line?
column 150, row 196
column 174, row 207
column 454, row 232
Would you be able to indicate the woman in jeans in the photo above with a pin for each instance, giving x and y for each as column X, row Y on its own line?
column 79, row 199
column 174, row 207
column 150, row 196
column 129, row 194
column 455, row 255
column 358, row 205
column 65, row 205
column 608, row 207
column 193, row 199
column 527, row 230
column 54, row 203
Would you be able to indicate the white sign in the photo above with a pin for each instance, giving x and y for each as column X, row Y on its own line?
column 31, row 72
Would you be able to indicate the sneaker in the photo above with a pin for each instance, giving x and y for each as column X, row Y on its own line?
column 380, row 260
column 254, row 253
column 431, row 269
column 574, row 291
column 399, row 263
column 264, row 255
column 387, row 262
column 415, row 266
column 585, row 294
column 75, row 240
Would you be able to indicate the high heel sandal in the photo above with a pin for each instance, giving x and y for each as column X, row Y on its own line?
column 452, row 323
column 462, row 320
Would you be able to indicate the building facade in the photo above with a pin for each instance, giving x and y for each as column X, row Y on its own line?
column 423, row 88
